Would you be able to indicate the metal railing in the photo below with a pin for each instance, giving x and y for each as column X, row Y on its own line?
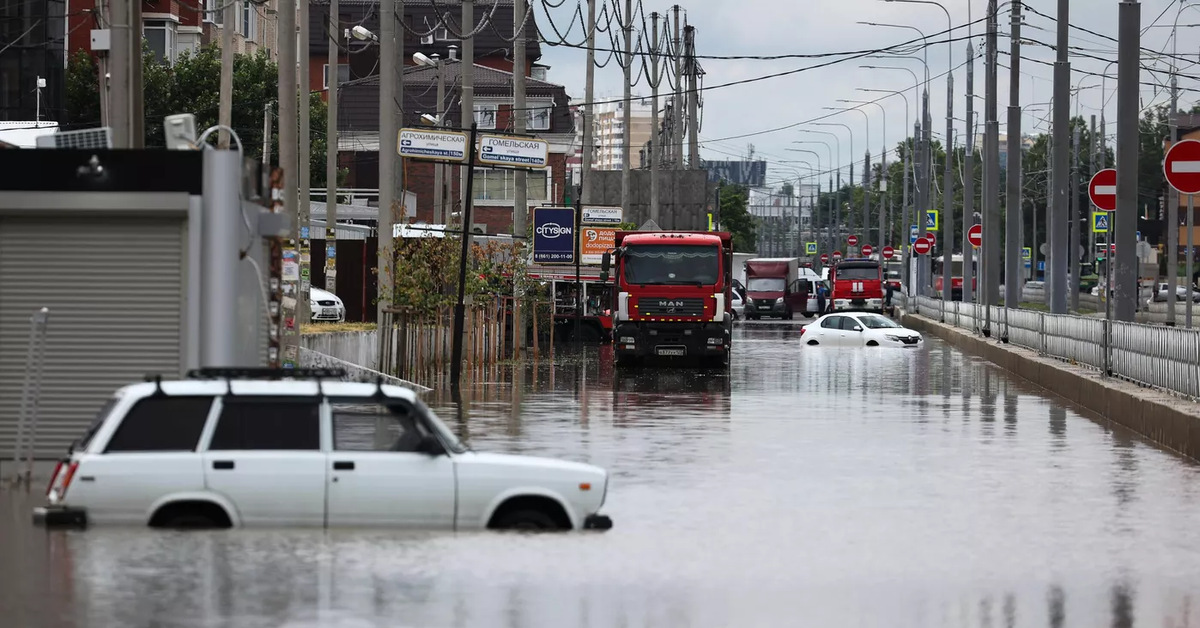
column 1162, row 357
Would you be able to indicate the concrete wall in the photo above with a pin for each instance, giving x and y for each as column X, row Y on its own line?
column 1166, row 419
column 356, row 347
column 684, row 196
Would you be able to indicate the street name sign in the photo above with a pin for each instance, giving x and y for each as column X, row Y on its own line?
column 439, row 145
column 507, row 150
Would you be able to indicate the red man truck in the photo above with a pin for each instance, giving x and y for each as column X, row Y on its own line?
column 857, row 285
column 672, row 296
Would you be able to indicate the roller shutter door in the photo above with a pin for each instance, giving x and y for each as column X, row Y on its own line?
column 115, row 289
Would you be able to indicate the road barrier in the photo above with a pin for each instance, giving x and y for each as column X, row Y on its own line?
column 1167, row 358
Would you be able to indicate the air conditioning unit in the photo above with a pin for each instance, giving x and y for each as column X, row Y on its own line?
column 478, row 229
column 427, row 40
column 88, row 139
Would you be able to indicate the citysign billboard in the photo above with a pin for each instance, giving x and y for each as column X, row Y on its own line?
column 554, row 235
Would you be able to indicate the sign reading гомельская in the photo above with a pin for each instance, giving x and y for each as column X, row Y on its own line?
column 504, row 150
column 554, row 235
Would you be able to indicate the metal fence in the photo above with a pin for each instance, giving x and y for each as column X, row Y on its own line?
column 1151, row 355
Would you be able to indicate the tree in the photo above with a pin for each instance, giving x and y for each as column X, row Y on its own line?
column 736, row 219
column 192, row 85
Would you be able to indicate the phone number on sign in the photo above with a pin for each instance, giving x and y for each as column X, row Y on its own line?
column 553, row 257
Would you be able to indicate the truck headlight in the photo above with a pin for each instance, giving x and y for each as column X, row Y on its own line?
column 779, row 301
column 749, row 302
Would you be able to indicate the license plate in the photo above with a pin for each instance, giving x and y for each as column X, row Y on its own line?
column 672, row 351
column 328, row 311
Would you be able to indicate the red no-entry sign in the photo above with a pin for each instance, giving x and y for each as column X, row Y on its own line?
column 1103, row 190
column 1182, row 167
column 888, row 252
column 932, row 237
column 922, row 246
column 852, row 240
column 824, row 258
column 837, row 255
column 975, row 235
column 867, row 250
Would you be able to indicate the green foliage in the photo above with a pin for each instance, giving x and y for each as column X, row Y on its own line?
column 736, row 219
column 192, row 85
column 426, row 273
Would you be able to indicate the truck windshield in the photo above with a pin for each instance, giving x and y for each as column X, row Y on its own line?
column 672, row 265
column 765, row 284
column 858, row 274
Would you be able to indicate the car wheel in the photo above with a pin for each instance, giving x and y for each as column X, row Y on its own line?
column 813, row 343
column 872, row 343
column 527, row 521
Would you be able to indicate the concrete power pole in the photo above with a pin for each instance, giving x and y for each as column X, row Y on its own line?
column 1173, row 202
column 1074, row 244
column 266, row 147
column 677, row 135
column 1059, row 256
column 521, row 198
column 288, row 150
column 137, row 115
column 1128, row 72
column 331, row 147
column 589, row 91
column 225, row 108
column 947, row 244
column 305, row 164
column 391, row 48
column 120, row 87
column 468, row 96
column 627, row 116
column 1091, row 255
column 969, row 182
column 655, row 134
column 1013, row 278
column 693, row 98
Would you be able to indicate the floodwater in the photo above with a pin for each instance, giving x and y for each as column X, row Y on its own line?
column 810, row 487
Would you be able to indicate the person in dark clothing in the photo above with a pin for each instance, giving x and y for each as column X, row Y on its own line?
column 887, row 301
column 820, row 299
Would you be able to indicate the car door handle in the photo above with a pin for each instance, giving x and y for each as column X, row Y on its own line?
column 343, row 466
column 222, row 464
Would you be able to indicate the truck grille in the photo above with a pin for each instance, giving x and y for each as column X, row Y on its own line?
column 664, row 306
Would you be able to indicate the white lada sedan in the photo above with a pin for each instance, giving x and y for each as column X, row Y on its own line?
column 858, row 329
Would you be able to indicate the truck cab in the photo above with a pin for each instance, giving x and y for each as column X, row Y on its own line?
column 858, row 285
column 774, row 288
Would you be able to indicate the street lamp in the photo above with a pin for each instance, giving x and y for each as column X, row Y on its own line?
column 439, row 174
column 866, row 209
column 882, row 166
column 924, row 49
column 362, row 34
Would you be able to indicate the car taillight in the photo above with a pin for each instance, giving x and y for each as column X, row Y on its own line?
column 57, row 494
column 802, row 329
column 58, row 467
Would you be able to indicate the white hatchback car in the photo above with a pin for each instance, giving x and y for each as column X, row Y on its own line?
column 242, row 447
column 859, row 329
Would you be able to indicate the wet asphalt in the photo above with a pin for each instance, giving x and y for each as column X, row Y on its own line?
column 804, row 487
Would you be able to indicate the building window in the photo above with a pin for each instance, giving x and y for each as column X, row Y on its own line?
column 249, row 20
column 485, row 116
column 538, row 74
column 500, row 185
column 214, row 11
column 343, row 74
column 443, row 34
column 160, row 36
column 539, row 118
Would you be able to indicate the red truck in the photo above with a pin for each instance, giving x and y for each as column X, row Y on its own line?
column 672, row 296
column 774, row 288
column 857, row 285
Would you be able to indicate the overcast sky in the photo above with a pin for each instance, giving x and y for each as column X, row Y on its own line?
column 782, row 27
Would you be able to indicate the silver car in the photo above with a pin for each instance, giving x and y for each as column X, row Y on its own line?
column 325, row 306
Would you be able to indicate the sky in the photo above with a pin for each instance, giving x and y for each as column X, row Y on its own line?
column 736, row 117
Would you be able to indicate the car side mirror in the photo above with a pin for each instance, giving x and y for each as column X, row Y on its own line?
column 605, row 261
column 430, row 445
column 857, row 328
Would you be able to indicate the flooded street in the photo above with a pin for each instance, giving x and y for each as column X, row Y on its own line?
column 808, row 486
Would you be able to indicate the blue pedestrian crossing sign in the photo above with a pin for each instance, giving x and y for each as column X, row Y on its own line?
column 914, row 232
column 1026, row 253
column 810, row 248
column 931, row 220
column 1100, row 222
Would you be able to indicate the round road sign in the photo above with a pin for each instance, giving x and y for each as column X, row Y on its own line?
column 922, row 246
column 975, row 235
column 888, row 252
column 837, row 255
column 1103, row 190
column 867, row 250
column 852, row 240
column 932, row 237
column 1182, row 167
column 824, row 258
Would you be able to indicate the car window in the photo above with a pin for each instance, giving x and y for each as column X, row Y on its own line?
column 849, row 323
column 832, row 322
column 272, row 423
column 367, row 425
column 166, row 423
column 874, row 321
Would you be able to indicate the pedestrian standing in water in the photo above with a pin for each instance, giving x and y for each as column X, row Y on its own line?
column 820, row 298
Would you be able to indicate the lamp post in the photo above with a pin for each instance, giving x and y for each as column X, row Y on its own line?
column 838, row 202
column 829, row 152
column 904, row 201
column 834, row 202
column 866, row 208
column 883, row 173
column 439, row 174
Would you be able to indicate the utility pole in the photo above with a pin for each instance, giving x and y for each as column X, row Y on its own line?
column 266, row 148
column 120, row 86
column 1059, row 257
column 1091, row 254
column 866, row 187
column 1013, row 277
column 588, row 107
column 521, row 198
column 137, row 114
column 693, row 99
column 677, row 107
column 304, row 182
column 969, row 182
column 1128, row 71
column 440, row 194
column 331, row 146
column 927, row 261
column 627, row 115
column 915, row 285
column 655, row 135
column 288, row 150
column 902, row 245
column 948, row 196
column 1074, row 244
column 1173, row 201
column 467, row 66
column 225, row 108
column 390, row 49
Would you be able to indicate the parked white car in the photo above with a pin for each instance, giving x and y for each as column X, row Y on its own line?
column 325, row 306
column 859, row 329
column 240, row 447
column 738, row 305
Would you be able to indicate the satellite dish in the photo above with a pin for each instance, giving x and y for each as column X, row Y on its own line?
column 1042, row 248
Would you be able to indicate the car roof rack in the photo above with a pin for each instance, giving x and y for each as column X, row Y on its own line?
column 266, row 373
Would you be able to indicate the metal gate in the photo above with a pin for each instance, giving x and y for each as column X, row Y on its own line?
column 116, row 286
